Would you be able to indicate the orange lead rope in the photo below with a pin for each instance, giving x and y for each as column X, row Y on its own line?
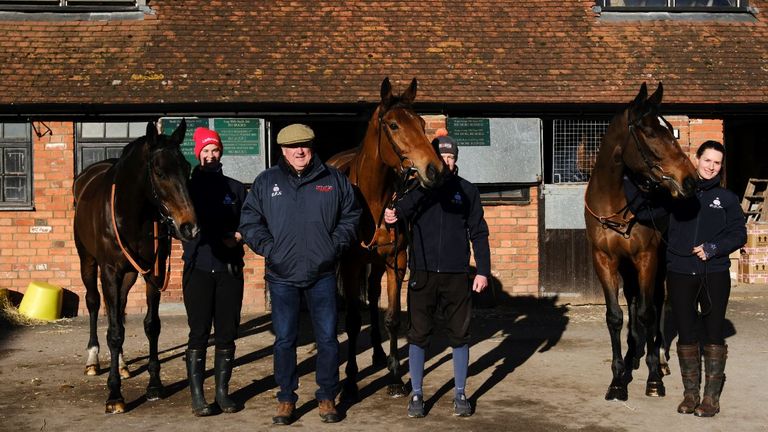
column 128, row 255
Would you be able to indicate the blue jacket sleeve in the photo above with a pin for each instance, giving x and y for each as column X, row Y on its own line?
column 346, row 229
column 478, row 233
column 734, row 234
column 253, row 223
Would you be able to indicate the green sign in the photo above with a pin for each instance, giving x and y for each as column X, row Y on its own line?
column 241, row 137
column 470, row 131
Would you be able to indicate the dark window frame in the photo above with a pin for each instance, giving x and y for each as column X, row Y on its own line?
column 671, row 6
column 14, row 144
column 71, row 5
column 110, row 146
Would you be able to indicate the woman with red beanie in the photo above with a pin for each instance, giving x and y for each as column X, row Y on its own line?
column 213, row 273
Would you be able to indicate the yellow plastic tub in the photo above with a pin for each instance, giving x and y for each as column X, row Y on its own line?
column 42, row 301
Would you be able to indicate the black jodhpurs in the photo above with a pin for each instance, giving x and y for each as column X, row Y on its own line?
column 213, row 298
column 707, row 293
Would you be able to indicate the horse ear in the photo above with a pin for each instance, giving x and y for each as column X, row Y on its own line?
column 641, row 95
column 410, row 93
column 386, row 91
column 180, row 132
column 151, row 131
column 655, row 98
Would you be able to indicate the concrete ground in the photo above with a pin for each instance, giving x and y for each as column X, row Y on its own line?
column 535, row 365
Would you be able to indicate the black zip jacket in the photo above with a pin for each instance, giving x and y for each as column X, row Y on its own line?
column 300, row 223
column 217, row 200
column 713, row 218
column 444, row 221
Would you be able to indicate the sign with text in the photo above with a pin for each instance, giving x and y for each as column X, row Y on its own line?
column 470, row 131
column 243, row 140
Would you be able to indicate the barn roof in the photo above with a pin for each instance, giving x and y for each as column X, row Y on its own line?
column 326, row 51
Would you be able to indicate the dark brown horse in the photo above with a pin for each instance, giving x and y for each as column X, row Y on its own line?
column 123, row 209
column 640, row 143
column 395, row 148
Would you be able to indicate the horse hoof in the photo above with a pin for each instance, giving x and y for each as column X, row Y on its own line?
column 396, row 390
column 154, row 393
column 115, row 407
column 655, row 389
column 616, row 393
column 125, row 373
column 92, row 370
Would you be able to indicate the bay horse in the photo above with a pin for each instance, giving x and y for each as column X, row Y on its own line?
column 123, row 208
column 638, row 143
column 394, row 149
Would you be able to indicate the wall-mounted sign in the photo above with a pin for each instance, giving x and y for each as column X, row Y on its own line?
column 243, row 140
column 470, row 131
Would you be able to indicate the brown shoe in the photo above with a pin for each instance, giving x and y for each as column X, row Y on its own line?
column 284, row 413
column 328, row 411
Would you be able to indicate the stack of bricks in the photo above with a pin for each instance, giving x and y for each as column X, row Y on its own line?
column 753, row 263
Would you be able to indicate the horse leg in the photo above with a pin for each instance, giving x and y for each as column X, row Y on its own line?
column 606, row 268
column 353, row 323
column 152, row 330
column 374, row 294
column 89, row 273
column 111, row 284
column 648, row 327
column 396, row 387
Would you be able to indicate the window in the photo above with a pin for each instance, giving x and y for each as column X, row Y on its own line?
column 96, row 141
column 71, row 5
column 574, row 148
column 15, row 166
column 674, row 5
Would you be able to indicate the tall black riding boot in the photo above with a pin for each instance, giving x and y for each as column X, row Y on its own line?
column 196, row 376
column 223, row 366
column 714, row 368
column 690, row 369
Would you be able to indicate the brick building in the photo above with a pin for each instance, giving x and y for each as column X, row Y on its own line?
column 80, row 79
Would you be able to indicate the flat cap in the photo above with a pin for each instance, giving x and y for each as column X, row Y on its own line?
column 295, row 134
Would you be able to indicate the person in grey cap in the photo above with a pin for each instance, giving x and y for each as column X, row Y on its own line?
column 443, row 222
column 301, row 215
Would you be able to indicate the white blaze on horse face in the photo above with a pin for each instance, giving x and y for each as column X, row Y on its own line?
column 664, row 123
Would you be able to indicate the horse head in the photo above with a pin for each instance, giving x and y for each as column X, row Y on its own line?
column 168, row 174
column 651, row 150
column 407, row 146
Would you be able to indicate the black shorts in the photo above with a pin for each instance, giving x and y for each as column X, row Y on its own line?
column 447, row 296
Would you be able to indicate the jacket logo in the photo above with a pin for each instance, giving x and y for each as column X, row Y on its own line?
column 228, row 200
column 323, row 188
column 276, row 191
column 456, row 198
column 716, row 203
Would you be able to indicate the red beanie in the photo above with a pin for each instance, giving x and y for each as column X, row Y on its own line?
column 203, row 137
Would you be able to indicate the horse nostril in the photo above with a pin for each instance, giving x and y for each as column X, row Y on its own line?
column 434, row 175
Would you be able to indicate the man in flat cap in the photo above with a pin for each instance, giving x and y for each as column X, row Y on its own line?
column 301, row 215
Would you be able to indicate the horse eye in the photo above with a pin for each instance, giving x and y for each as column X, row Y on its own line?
column 394, row 126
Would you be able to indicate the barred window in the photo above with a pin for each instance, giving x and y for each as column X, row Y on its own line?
column 574, row 148
column 15, row 166
column 97, row 141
